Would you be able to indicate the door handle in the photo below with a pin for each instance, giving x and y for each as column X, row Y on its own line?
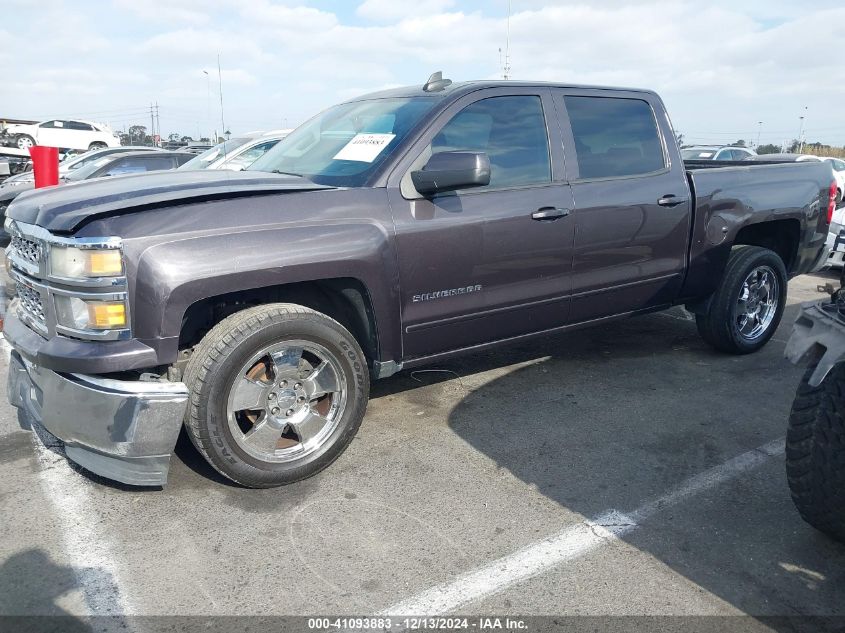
column 670, row 200
column 550, row 213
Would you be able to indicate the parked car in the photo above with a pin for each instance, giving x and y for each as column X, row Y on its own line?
column 62, row 133
column 839, row 171
column 395, row 230
column 195, row 148
column 113, row 164
column 80, row 160
column 786, row 157
column 836, row 240
column 717, row 152
column 815, row 439
column 236, row 153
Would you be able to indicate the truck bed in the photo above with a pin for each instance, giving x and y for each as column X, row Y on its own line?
column 733, row 195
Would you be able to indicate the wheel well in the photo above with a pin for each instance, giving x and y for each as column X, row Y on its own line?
column 346, row 300
column 780, row 236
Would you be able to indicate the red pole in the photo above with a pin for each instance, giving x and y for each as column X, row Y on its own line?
column 45, row 164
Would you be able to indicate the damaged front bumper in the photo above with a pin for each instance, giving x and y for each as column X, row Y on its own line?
column 121, row 430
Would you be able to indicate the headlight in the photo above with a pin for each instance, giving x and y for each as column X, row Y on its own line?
column 81, row 314
column 81, row 263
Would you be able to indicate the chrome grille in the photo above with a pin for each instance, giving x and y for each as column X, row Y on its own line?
column 30, row 300
column 29, row 250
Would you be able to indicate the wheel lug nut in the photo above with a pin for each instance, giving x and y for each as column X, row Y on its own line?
column 275, row 410
column 271, row 396
column 298, row 386
column 283, row 383
column 289, row 412
column 301, row 399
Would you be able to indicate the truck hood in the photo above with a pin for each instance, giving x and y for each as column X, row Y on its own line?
column 65, row 208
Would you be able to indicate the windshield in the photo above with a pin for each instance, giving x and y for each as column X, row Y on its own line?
column 85, row 172
column 697, row 154
column 344, row 145
column 203, row 160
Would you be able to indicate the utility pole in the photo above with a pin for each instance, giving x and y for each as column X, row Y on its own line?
column 759, row 130
column 506, row 68
column 152, row 125
column 158, row 123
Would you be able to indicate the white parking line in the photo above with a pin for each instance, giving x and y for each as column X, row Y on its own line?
column 573, row 542
column 88, row 550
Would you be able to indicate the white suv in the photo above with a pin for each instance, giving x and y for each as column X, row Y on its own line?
column 65, row 134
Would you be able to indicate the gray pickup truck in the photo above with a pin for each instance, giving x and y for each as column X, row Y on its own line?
column 388, row 232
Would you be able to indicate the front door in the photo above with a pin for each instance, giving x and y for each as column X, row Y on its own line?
column 493, row 262
column 632, row 203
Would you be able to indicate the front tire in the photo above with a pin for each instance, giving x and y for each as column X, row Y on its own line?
column 97, row 145
column 24, row 141
column 746, row 309
column 277, row 393
column 815, row 452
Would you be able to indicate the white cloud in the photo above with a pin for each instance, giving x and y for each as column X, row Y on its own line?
column 721, row 66
column 393, row 10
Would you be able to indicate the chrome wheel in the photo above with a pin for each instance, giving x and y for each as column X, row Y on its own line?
column 757, row 304
column 286, row 401
column 24, row 142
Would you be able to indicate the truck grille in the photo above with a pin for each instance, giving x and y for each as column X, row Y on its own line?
column 30, row 300
column 28, row 250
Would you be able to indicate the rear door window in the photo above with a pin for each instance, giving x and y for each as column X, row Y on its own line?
column 78, row 125
column 614, row 137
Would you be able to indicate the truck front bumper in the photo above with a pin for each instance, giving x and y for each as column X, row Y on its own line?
column 121, row 430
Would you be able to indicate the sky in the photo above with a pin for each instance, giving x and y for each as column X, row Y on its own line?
column 721, row 66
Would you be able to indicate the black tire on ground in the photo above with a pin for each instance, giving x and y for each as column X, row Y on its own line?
column 815, row 452
column 24, row 141
column 718, row 325
column 97, row 145
column 216, row 363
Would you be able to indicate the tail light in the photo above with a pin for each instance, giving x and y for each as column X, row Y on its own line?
column 831, row 204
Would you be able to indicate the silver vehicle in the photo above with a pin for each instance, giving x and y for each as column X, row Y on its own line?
column 238, row 153
column 75, row 162
column 716, row 152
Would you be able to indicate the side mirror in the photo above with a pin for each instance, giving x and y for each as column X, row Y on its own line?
column 449, row 171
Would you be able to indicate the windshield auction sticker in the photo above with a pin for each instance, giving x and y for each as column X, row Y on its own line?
column 364, row 148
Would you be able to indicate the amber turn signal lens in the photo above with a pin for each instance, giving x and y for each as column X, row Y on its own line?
column 106, row 315
column 104, row 262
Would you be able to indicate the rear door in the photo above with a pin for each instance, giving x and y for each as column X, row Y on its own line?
column 482, row 264
column 52, row 134
column 632, row 202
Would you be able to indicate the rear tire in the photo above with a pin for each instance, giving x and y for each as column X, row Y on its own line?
column 97, row 145
column 746, row 309
column 277, row 393
column 815, row 452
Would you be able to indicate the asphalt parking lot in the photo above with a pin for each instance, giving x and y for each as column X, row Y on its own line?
column 622, row 470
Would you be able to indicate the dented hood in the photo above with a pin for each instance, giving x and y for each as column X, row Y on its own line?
column 64, row 208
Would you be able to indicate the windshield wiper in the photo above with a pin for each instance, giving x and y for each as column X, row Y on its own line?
column 285, row 173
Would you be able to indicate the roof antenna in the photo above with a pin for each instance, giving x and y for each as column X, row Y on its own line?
column 436, row 83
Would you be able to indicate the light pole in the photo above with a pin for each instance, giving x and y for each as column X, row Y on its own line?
column 759, row 130
column 801, row 133
column 207, row 101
